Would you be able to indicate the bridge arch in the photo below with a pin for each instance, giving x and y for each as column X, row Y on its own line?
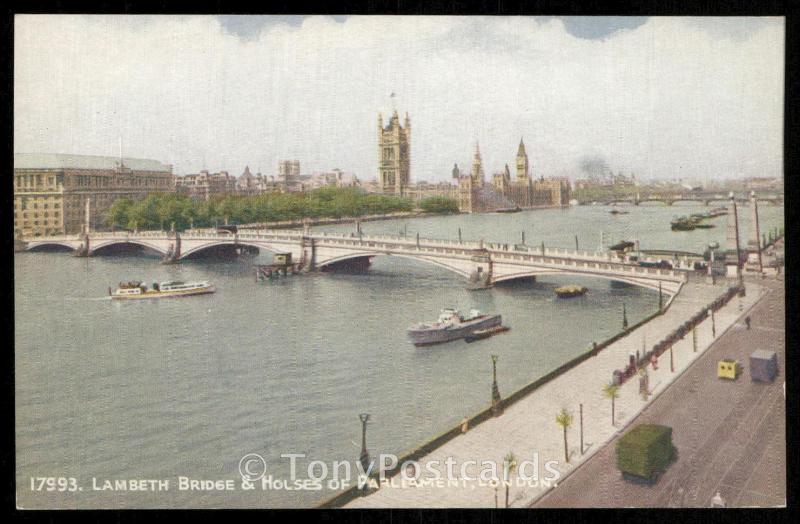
column 668, row 287
column 368, row 254
column 49, row 245
column 96, row 246
column 185, row 252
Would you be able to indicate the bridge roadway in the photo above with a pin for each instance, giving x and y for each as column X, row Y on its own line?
column 483, row 263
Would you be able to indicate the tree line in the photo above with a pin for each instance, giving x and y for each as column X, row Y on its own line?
column 162, row 210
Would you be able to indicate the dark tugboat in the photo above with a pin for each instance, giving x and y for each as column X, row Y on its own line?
column 683, row 224
column 480, row 334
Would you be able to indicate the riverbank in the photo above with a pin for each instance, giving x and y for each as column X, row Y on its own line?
column 528, row 428
column 296, row 224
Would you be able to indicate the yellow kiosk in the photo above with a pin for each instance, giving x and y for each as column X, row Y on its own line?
column 728, row 368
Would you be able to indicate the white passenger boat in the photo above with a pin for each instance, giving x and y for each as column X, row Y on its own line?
column 451, row 326
column 137, row 290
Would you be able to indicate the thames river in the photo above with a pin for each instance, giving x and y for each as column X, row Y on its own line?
column 171, row 388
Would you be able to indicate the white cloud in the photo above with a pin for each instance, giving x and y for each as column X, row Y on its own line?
column 672, row 97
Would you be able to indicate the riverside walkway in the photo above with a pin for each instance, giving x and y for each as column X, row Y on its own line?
column 528, row 427
column 731, row 436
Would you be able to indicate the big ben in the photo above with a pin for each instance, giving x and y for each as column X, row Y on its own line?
column 394, row 154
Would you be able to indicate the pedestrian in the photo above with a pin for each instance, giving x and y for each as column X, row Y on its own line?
column 654, row 361
column 747, row 322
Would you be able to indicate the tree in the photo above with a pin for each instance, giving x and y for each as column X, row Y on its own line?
column 611, row 391
column 119, row 211
column 509, row 465
column 438, row 204
column 564, row 419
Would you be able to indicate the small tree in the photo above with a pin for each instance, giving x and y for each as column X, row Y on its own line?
column 564, row 419
column 611, row 391
column 509, row 465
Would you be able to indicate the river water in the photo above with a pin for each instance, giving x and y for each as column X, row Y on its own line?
column 162, row 389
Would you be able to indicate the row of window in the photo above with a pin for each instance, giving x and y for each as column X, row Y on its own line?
column 35, row 205
column 36, row 215
column 35, row 180
column 36, row 223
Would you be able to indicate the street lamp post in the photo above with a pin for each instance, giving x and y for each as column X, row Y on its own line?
column 497, row 402
column 624, row 317
column 713, row 324
column 364, row 457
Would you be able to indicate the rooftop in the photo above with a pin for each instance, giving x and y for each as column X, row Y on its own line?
column 60, row 161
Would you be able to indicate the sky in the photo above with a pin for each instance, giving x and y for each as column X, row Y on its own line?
column 662, row 97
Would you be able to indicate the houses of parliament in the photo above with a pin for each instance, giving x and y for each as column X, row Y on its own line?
column 471, row 190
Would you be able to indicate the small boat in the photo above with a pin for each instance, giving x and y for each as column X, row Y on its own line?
column 515, row 209
column 451, row 326
column 683, row 224
column 623, row 245
column 137, row 290
column 570, row 291
column 480, row 334
column 618, row 212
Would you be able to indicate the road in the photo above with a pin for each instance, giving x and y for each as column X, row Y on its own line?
column 730, row 435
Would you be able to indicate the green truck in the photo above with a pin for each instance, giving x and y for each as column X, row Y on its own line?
column 644, row 452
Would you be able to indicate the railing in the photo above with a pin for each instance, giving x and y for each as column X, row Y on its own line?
column 606, row 261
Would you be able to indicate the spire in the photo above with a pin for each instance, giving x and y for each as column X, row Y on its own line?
column 521, row 150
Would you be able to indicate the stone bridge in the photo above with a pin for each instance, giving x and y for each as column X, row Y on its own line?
column 672, row 198
column 483, row 263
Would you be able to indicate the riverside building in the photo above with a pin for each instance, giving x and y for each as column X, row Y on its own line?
column 205, row 185
column 56, row 194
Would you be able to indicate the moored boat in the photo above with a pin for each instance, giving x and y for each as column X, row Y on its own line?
column 683, row 224
column 137, row 290
column 451, row 325
column 570, row 291
column 480, row 334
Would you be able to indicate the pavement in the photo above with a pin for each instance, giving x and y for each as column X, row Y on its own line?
column 730, row 436
column 528, row 428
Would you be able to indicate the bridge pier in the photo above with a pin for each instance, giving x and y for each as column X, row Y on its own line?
column 20, row 245
column 173, row 254
column 83, row 249
column 308, row 258
column 481, row 275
